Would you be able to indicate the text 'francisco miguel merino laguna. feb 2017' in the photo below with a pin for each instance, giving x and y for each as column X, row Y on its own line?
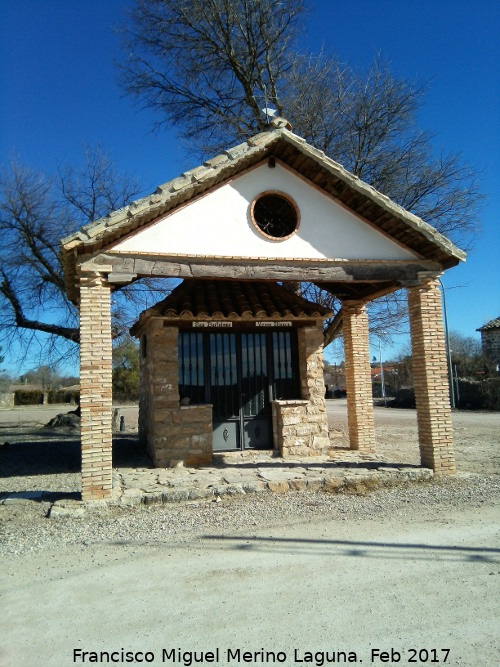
column 298, row 657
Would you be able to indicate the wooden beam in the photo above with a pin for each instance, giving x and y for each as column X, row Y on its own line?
column 360, row 290
column 334, row 329
column 115, row 278
column 396, row 272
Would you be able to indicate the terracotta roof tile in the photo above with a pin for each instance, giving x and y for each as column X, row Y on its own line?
column 232, row 300
column 492, row 324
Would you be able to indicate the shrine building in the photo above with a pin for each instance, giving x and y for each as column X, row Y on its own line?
column 232, row 360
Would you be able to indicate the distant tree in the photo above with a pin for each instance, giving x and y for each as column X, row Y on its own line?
column 36, row 211
column 466, row 356
column 43, row 376
column 4, row 382
column 126, row 369
column 4, row 378
column 464, row 346
column 334, row 374
column 68, row 380
column 405, row 370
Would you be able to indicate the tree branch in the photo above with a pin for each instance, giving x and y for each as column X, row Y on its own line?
column 69, row 333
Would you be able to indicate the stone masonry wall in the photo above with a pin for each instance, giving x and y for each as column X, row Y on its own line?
column 300, row 427
column 173, row 433
column 490, row 343
column 6, row 400
column 358, row 377
column 95, row 387
column 187, row 438
column 143, row 389
column 430, row 375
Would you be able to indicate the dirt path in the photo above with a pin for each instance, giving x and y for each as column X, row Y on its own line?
column 407, row 582
column 476, row 436
column 402, row 577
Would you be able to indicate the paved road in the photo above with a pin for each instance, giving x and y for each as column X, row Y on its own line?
column 39, row 415
column 421, row 582
column 336, row 409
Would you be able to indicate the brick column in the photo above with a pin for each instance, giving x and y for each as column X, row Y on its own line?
column 358, row 377
column 95, row 386
column 430, row 375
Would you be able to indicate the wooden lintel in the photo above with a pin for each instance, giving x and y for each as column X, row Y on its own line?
column 117, row 278
column 351, row 271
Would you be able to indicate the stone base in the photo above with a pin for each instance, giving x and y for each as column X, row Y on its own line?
column 181, row 434
column 299, row 430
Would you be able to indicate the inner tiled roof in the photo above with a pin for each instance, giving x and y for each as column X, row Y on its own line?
column 232, row 300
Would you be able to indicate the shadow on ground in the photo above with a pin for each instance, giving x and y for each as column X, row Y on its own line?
column 358, row 549
column 36, row 460
column 43, row 453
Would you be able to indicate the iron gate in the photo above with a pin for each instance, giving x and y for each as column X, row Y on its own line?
column 239, row 374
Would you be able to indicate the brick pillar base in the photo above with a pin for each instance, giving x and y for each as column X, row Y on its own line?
column 358, row 377
column 95, row 387
column 430, row 376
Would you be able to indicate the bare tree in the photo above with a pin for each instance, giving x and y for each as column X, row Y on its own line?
column 209, row 67
column 387, row 314
column 36, row 211
column 366, row 120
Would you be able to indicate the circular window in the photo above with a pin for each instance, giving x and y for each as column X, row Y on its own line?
column 275, row 215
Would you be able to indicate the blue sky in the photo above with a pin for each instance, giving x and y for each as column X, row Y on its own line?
column 59, row 91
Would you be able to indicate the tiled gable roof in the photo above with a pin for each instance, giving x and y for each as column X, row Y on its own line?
column 294, row 152
column 227, row 300
column 492, row 324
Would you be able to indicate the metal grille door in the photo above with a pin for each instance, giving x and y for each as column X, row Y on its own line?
column 255, row 405
column 224, row 391
column 239, row 374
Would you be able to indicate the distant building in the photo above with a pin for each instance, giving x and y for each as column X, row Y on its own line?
column 490, row 340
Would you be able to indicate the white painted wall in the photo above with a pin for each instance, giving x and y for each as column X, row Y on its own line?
column 219, row 224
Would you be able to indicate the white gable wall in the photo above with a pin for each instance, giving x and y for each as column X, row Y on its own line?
column 219, row 224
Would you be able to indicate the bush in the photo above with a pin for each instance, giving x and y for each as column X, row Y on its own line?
column 63, row 396
column 29, row 397
column 405, row 398
column 492, row 394
column 472, row 395
column 479, row 395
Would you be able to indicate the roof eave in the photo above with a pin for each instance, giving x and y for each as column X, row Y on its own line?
column 196, row 181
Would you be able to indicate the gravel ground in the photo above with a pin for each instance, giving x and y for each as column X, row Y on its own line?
column 24, row 528
column 404, row 569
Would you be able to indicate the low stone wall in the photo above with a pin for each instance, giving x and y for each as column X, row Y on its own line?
column 182, row 435
column 6, row 400
column 297, row 430
column 300, row 427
